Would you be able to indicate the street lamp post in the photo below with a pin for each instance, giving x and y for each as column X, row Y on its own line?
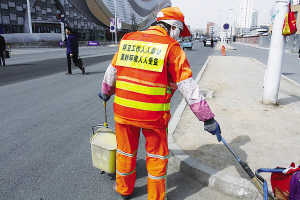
column 115, row 22
column 224, row 33
column 226, row 21
column 221, row 34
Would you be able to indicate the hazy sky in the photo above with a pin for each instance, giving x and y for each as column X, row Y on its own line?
column 198, row 12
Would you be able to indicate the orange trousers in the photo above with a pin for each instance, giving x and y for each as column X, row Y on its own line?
column 156, row 160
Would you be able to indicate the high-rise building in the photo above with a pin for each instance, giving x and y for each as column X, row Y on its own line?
column 295, row 2
column 45, row 15
column 210, row 28
column 254, row 19
column 244, row 13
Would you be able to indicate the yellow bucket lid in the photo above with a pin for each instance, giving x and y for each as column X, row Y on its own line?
column 104, row 138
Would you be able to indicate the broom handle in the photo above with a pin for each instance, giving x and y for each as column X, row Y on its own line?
column 228, row 147
column 246, row 168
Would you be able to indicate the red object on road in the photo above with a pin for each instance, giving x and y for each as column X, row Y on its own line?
column 223, row 50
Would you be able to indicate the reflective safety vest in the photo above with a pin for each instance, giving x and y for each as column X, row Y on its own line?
column 143, row 91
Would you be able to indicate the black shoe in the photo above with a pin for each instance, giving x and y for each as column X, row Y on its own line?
column 3, row 63
column 124, row 197
column 67, row 73
column 83, row 70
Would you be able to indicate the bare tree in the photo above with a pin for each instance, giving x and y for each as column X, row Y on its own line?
column 134, row 24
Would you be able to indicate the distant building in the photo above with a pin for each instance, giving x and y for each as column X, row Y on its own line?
column 254, row 19
column 264, row 25
column 210, row 28
column 90, row 18
column 46, row 16
column 244, row 13
column 295, row 2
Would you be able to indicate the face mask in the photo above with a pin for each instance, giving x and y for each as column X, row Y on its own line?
column 175, row 33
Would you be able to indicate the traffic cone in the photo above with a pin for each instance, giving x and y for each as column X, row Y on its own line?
column 223, row 50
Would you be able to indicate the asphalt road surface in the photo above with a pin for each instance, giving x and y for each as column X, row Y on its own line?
column 290, row 65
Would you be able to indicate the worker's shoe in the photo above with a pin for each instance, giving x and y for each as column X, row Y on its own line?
column 83, row 70
column 124, row 197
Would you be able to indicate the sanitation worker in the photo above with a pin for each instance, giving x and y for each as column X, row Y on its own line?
column 144, row 74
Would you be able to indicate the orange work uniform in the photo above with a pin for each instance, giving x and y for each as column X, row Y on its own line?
column 143, row 75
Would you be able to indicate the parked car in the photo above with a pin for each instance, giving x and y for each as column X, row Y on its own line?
column 187, row 43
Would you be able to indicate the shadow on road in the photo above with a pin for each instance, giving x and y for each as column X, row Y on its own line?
column 17, row 65
column 286, row 74
column 92, row 73
column 288, row 100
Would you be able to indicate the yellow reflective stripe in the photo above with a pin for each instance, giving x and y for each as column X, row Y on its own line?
column 157, row 177
column 140, row 88
column 142, row 105
column 141, row 81
column 126, row 154
column 126, row 174
column 157, row 156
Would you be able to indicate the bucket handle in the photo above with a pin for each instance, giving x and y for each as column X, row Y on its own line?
column 105, row 120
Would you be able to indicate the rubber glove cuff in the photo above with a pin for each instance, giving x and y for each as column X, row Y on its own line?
column 213, row 127
column 104, row 97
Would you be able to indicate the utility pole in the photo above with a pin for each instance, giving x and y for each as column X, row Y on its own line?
column 29, row 16
column 62, row 27
column 276, row 53
column 226, row 22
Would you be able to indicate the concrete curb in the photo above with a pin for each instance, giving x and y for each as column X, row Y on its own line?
column 235, row 186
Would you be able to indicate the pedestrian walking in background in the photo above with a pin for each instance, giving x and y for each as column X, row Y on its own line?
column 72, row 51
column 2, row 49
column 144, row 74
column 212, row 42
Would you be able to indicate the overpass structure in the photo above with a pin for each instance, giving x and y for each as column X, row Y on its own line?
column 133, row 13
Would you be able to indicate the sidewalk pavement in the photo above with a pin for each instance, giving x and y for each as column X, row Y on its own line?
column 264, row 136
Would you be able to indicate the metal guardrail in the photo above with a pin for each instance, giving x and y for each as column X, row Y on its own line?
column 51, row 44
column 101, row 43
